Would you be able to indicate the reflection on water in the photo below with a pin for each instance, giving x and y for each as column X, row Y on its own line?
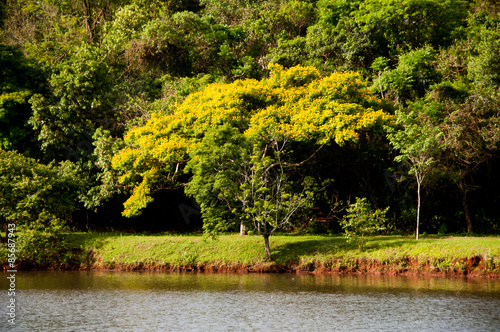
column 150, row 301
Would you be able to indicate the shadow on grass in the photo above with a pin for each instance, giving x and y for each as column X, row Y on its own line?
column 283, row 252
column 89, row 240
column 97, row 239
column 386, row 242
column 90, row 243
column 336, row 246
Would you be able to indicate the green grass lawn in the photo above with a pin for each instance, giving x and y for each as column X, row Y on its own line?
column 450, row 254
column 230, row 250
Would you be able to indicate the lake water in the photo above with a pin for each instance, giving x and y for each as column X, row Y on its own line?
column 159, row 301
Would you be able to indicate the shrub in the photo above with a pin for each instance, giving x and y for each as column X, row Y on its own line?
column 362, row 220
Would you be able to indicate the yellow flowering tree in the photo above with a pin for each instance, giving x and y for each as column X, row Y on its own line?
column 233, row 140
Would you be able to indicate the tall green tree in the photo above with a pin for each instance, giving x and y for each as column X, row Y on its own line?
column 470, row 105
column 252, row 168
column 471, row 138
column 236, row 178
column 416, row 139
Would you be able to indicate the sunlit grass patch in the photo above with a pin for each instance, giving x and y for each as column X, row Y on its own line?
column 232, row 251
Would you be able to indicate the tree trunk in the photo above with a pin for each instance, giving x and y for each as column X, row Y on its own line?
column 88, row 20
column 418, row 206
column 463, row 190
column 380, row 84
column 243, row 231
column 88, row 223
column 468, row 221
column 266, row 245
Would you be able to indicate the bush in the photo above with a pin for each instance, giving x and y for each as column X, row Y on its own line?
column 42, row 245
column 362, row 220
column 32, row 193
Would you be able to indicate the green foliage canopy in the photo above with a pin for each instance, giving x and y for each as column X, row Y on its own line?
column 296, row 102
column 19, row 79
column 33, row 194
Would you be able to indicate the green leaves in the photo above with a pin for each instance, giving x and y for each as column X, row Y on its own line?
column 234, row 139
column 216, row 164
column 410, row 24
column 80, row 96
column 412, row 77
column 417, row 139
column 33, row 193
column 191, row 80
column 418, row 142
column 19, row 79
column 361, row 219
column 484, row 63
column 293, row 104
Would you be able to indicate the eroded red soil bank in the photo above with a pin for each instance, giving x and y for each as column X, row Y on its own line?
column 475, row 266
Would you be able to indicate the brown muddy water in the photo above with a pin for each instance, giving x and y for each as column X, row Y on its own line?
column 161, row 301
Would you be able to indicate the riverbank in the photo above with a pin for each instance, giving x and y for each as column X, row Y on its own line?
column 431, row 255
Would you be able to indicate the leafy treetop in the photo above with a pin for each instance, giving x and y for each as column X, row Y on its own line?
column 295, row 102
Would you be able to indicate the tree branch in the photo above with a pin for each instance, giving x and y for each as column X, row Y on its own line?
column 295, row 164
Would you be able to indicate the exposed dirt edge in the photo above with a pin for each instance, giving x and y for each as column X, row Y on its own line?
column 475, row 266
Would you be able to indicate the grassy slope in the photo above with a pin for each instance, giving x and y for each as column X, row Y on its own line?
column 289, row 252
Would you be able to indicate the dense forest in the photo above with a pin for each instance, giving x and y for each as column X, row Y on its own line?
column 182, row 115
